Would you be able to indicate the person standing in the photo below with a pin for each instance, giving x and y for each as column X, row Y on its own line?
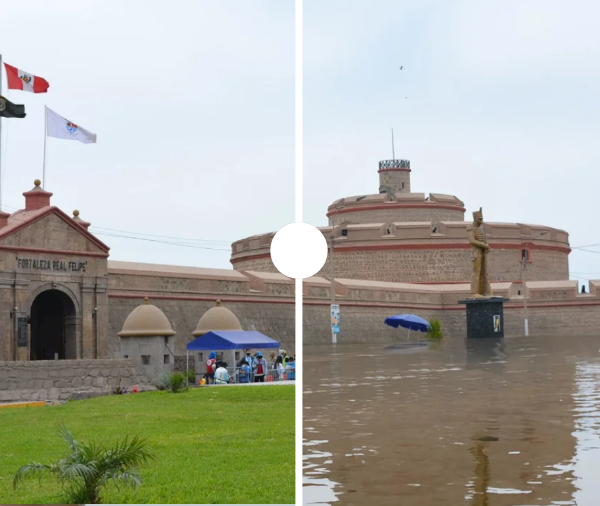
column 250, row 360
column 211, row 367
column 260, row 368
column 244, row 372
column 221, row 374
column 284, row 358
column 291, row 369
column 279, row 369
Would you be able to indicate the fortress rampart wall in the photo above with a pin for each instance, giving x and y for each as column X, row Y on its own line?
column 414, row 252
column 262, row 301
column 553, row 306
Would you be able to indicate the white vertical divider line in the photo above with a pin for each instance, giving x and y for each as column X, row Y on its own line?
column 298, row 111
column 298, row 291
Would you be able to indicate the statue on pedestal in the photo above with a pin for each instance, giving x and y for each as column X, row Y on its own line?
column 480, row 286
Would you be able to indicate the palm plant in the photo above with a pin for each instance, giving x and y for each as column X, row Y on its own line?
column 87, row 469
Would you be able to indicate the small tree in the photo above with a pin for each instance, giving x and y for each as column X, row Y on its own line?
column 86, row 470
column 435, row 329
column 178, row 381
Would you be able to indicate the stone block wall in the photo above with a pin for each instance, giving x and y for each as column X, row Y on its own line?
column 366, row 324
column 272, row 318
column 413, row 253
column 396, row 180
column 431, row 265
column 443, row 265
column 554, row 308
column 261, row 302
column 262, row 264
column 46, row 380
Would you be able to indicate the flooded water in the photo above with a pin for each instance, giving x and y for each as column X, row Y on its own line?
column 514, row 422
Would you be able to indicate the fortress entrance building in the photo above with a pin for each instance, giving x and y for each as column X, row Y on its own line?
column 62, row 299
column 53, row 284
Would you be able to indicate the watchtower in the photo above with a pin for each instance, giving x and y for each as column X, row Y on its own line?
column 394, row 176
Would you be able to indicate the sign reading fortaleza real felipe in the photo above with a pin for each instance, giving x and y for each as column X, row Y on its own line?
column 51, row 265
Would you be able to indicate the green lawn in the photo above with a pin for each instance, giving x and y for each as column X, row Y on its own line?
column 213, row 445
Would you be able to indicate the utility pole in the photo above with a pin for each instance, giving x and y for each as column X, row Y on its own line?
column 332, row 266
column 524, row 278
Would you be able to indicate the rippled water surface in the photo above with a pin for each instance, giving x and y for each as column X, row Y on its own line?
column 479, row 422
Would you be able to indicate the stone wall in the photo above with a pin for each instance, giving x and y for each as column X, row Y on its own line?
column 262, row 301
column 64, row 379
column 554, row 307
column 272, row 319
column 443, row 265
column 396, row 180
column 431, row 265
column 264, row 264
column 414, row 252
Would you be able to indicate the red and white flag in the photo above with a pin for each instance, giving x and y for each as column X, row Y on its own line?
column 20, row 80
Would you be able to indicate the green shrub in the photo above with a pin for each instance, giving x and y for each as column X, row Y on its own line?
column 86, row 470
column 163, row 381
column 435, row 329
column 172, row 381
column 177, row 383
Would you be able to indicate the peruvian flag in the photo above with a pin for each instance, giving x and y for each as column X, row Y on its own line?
column 20, row 80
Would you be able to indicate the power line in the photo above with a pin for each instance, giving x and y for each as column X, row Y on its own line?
column 585, row 246
column 162, row 242
column 156, row 238
column 588, row 250
column 160, row 236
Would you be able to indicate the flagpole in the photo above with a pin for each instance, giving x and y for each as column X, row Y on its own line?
column 45, row 136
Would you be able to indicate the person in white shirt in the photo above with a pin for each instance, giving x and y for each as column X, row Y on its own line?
column 221, row 374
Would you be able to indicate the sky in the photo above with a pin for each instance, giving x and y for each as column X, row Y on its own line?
column 193, row 105
column 498, row 103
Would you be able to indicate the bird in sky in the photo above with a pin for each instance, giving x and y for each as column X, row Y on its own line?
column 401, row 67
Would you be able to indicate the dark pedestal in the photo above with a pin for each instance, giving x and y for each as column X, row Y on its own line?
column 485, row 317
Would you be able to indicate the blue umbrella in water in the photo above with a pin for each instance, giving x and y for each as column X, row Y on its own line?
column 408, row 321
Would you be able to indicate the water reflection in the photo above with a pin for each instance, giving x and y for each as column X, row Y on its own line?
column 482, row 422
column 479, row 492
column 487, row 354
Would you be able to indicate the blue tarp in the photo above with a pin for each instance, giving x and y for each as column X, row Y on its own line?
column 232, row 340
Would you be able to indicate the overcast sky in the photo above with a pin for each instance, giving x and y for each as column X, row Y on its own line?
column 503, row 107
column 193, row 105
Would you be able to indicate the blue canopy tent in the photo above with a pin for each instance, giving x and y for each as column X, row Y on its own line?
column 230, row 340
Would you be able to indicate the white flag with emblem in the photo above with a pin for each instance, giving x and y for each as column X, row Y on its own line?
column 57, row 126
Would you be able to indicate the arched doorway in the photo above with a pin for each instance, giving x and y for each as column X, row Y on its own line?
column 53, row 327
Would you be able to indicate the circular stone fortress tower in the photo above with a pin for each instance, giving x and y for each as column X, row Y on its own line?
column 399, row 236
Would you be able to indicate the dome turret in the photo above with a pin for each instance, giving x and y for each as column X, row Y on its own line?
column 145, row 321
column 217, row 318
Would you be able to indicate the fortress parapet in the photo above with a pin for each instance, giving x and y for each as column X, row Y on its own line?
column 396, row 206
column 352, row 292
